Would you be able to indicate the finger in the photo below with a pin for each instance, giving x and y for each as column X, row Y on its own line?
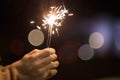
column 52, row 65
column 45, row 61
column 48, row 60
column 52, row 50
column 39, row 54
column 52, row 73
column 45, row 69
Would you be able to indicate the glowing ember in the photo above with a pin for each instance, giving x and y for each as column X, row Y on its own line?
column 55, row 16
column 53, row 20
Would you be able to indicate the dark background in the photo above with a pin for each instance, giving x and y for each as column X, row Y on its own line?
column 15, row 16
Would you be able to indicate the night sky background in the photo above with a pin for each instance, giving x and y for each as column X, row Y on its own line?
column 15, row 17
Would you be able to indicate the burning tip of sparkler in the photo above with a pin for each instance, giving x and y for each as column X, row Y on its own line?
column 55, row 16
column 54, row 19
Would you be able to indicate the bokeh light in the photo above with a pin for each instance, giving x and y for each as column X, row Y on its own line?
column 96, row 40
column 85, row 52
column 102, row 25
column 36, row 37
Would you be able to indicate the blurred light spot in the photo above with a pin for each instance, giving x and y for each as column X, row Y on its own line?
column 36, row 37
column 96, row 40
column 32, row 22
column 67, row 54
column 102, row 25
column 85, row 52
column 17, row 47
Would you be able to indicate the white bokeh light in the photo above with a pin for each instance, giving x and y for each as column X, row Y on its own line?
column 96, row 40
column 85, row 52
column 36, row 37
column 102, row 24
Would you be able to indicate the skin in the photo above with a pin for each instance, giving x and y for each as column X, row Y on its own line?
column 38, row 65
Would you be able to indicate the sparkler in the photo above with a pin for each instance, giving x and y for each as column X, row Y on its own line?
column 53, row 20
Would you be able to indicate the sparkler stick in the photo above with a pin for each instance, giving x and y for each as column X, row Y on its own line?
column 53, row 20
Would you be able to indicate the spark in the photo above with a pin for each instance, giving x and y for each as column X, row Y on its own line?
column 53, row 20
column 71, row 14
column 32, row 22
column 38, row 27
column 55, row 16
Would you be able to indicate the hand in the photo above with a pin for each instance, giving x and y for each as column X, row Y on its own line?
column 39, row 64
